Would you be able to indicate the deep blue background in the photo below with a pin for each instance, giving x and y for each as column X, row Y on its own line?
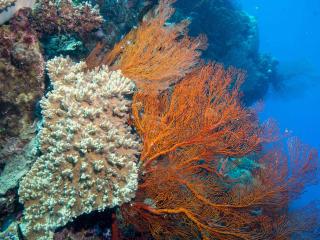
column 290, row 31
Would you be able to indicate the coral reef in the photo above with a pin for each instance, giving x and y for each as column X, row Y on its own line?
column 21, row 84
column 208, row 117
column 8, row 8
column 88, row 157
column 140, row 53
column 200, row 170
column 182, row 146
column 51, row 16
column 66, row 45
column 120, row 17
column 6, row 3
column 66, row 28
column 184, row 192
column 178, row 200
column 17, row 166
column 22, row 69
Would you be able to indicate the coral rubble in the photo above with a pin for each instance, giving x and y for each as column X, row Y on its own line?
column 88, row 157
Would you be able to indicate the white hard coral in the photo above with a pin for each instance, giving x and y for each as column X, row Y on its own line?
column 6, row 3
column 89, row 152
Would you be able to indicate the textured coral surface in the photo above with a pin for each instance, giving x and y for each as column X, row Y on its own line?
column 5, row 3
column 88, row 160
column 8, row 8
column 51, row 16
column 21, row 85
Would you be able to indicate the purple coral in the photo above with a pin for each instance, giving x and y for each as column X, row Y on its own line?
column 21, row 79
column 62, row 16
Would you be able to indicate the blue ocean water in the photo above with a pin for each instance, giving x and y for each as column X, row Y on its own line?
column 289, row 30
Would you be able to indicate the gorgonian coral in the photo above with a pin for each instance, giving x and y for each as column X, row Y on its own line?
column 182, row 196
column 184, row 191
column 154, row 55
column 202, row 111
column 88, row 157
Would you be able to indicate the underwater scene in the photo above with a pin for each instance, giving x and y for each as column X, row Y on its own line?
column 159, row 120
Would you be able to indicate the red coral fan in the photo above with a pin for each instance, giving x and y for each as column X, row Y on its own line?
column 182, row 193
column 178, row 201
column 154, row 55
column 190, row 132
column 50, row 16
column 203, row 111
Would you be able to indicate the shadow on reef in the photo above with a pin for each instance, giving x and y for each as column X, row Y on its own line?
column 93, row 226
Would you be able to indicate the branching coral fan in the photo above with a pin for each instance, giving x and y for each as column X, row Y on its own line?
column 182, row 200
column 154, row 55
column 202, row 112
column 184, row 193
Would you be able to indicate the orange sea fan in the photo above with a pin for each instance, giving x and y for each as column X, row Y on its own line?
column 191, row 202
column 155, row 54
column 202, row 111
column 187, row 129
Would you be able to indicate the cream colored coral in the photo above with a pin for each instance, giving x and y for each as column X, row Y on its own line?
column 89, row 152
column 6, row 3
